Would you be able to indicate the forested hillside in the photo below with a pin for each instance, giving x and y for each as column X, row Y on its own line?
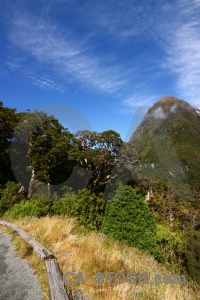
column 145, row 192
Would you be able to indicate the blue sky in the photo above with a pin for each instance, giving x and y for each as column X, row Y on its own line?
column 106, row 60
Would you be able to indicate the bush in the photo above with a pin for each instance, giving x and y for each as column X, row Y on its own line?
column 32, row 208
column 192, row 253
column 170, row 246
column 90, row 209
column 10, row 195
column 128, row 218
column 66, row 206
column 86, row 207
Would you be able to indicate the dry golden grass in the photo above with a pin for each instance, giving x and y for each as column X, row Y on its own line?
column 79, row 250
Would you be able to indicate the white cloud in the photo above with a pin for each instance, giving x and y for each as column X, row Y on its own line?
column 159, row 113
column 45, row 82
column 74, row 59
column 65, row 55
column 144, row 98
column 124, row 20
column 173, row 109
column 182, row 45
column 173, row 27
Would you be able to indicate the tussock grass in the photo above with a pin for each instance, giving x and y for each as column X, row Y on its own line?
column 80, row 250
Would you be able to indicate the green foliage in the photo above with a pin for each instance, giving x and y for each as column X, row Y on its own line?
column 10, row 195
column 128, row 218
column 46, row 145
column 40, row 191
column 98, row 152
column 65, row 206
column 170, row 246
column 8, row 121
column 192, row 254
column 124, row 170
column 179, row 215
column 90, row 209
column 32, row 208
column 85, row 206
column 101, row 161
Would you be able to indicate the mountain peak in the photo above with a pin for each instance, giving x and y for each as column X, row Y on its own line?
column 169, row 104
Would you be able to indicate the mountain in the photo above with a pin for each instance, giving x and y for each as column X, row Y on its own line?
column 168, row 142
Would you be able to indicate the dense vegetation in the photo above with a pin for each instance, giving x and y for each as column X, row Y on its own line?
column 121, row 189
column 128, row 218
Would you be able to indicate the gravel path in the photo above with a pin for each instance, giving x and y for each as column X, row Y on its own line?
column 17, row 281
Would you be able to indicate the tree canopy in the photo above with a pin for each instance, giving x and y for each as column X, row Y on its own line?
column 8, row 121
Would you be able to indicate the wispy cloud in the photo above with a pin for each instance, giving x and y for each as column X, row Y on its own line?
column 182, row 45
column 45, row 82
column 143, row 98
column 171, row 28
column 174, row 27
column 74, row 59
column 185, row 60
column 124, row 20
column 31, row 75
column 65, row 55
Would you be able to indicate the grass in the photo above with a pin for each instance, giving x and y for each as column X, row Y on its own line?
column 80, row 250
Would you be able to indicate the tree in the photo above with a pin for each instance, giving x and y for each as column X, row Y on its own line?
column 128, row 218
column 98, row 152
column 48, row 149
column 125, row 168
column 8, row 121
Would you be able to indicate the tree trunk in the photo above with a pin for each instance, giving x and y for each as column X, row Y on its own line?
column 31, row 183
column 48, row 188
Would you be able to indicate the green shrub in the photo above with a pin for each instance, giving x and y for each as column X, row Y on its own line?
column 192, row 254
column 170, row 246
column 66, row 206
column 90, row 209
column 128, row 218
column 32, row 207
column 10, row 195
column 86, row 207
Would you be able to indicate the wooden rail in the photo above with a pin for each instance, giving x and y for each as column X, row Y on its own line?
column 56, row 286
